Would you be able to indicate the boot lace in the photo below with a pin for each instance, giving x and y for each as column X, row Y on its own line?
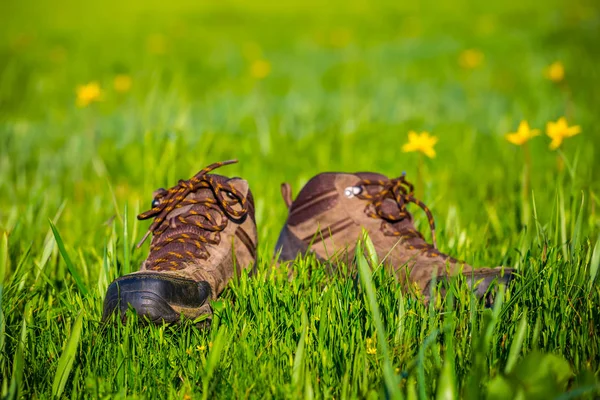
column 402, row 192
column 198, row 226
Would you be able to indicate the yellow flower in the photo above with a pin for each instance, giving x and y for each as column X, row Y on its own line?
column 371, row 348
column 422, row 142
column 87, row 94
column 471, row 58
column 122, row 83
column 559, row 130
column 555, row 72
column 260, row 69
column 523, row 134
column 201, row 348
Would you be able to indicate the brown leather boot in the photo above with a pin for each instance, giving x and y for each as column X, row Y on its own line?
column 331, row 210
column 203, row 233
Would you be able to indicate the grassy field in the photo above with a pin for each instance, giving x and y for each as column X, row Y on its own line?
column 293, row 89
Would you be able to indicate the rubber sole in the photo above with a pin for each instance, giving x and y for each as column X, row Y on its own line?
column 156, row 298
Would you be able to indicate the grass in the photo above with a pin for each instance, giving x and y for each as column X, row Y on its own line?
column 346, row 83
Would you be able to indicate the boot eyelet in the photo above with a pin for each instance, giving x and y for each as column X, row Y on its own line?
column 352, row 191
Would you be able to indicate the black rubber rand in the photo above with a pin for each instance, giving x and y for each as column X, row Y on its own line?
column 153, row 295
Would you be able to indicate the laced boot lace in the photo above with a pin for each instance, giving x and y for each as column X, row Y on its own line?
column 402, row 193
column 186, row 235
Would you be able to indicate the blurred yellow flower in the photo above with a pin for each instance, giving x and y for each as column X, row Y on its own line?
column 260, row 69
column 201, row 348
column 422, row 142
column 122, row 83
column 88, row 93
column 523, row 134
column 371, row 348
column 555, row 72
column 471, row 58
column 559, row 130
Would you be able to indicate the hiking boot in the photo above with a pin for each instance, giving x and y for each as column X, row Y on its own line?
column 331, row 210
column 203, row 232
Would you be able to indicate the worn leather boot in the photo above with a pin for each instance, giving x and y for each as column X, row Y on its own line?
column 331, row 210
column 203, row 232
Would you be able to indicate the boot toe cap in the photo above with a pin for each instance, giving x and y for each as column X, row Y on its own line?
column 154, row 297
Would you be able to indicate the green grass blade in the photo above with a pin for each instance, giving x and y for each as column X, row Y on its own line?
column 570, row 168
column 67, row 259
column 366, row 280
column 577, row 230
column 594, row 263
column 401, row 315
column 65, row 363
column 446, row 386
column 48, row 243
column 563, row 222
column 214, row 358
column 3, row 258
column 3, row 268
column 517, row 344
column 482, row 345
column 16, row 380
column 298, row 366
column 536, row 221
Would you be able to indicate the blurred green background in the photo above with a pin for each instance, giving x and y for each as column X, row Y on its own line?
column 343, row 83
column 292, row 89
